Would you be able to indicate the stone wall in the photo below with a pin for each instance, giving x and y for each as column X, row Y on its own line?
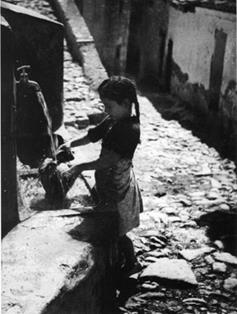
column 80, row 41
column 200, row 64
column 108, row 23
column 39, row 43
column 8, row 142
column 59, row 262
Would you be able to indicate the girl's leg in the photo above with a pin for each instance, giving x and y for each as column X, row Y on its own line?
column 126, row 248
column 69, row 176
column 68, row 180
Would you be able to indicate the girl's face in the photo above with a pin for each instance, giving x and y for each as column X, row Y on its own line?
column 117, row 111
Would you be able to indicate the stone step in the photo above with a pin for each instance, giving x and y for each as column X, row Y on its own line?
column 49, row 264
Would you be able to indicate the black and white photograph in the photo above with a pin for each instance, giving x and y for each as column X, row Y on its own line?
column 118, row 157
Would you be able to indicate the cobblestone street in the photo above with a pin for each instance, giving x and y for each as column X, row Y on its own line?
column 181, row 179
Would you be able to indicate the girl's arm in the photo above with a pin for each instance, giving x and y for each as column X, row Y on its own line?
column 93, row 135
column 106, row 160
column 83, row 140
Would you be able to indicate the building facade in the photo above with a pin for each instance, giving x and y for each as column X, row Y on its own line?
column 187, row 48
column 108, row 22
column 200, row 64
column 147, row 37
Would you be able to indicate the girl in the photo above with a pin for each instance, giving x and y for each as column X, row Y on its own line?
column 116, row 186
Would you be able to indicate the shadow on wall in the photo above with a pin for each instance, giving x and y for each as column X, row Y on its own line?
column 209, row 114
column 210, row 128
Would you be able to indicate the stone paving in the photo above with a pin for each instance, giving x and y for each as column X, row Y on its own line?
column 181, row 179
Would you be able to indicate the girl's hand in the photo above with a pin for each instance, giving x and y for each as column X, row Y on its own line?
column 64, row 146
column 74, row 171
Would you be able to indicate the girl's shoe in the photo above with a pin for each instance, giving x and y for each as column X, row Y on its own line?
column 132, row 269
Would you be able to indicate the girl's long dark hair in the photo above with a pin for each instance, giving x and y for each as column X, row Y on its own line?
column 119, row 88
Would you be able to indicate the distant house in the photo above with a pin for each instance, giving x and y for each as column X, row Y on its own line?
column 147, row 37
column 200, row 59
column 129, row 34
column 108, row 23
column 188, row 47
column 200, row 52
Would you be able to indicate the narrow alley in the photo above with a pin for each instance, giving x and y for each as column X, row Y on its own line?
column 181, row 180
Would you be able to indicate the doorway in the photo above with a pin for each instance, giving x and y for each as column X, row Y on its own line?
column 216, row 71
column 168, row 67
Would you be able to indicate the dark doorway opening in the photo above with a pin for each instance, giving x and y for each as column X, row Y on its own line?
column 133, row 50
column 162, row 51
column 121, row 6
column 216, row 72
column 133, row 62
column 168, row 67
column 117, row 60
column 80, row 5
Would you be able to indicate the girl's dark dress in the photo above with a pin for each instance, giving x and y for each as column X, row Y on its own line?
column 116, row 186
